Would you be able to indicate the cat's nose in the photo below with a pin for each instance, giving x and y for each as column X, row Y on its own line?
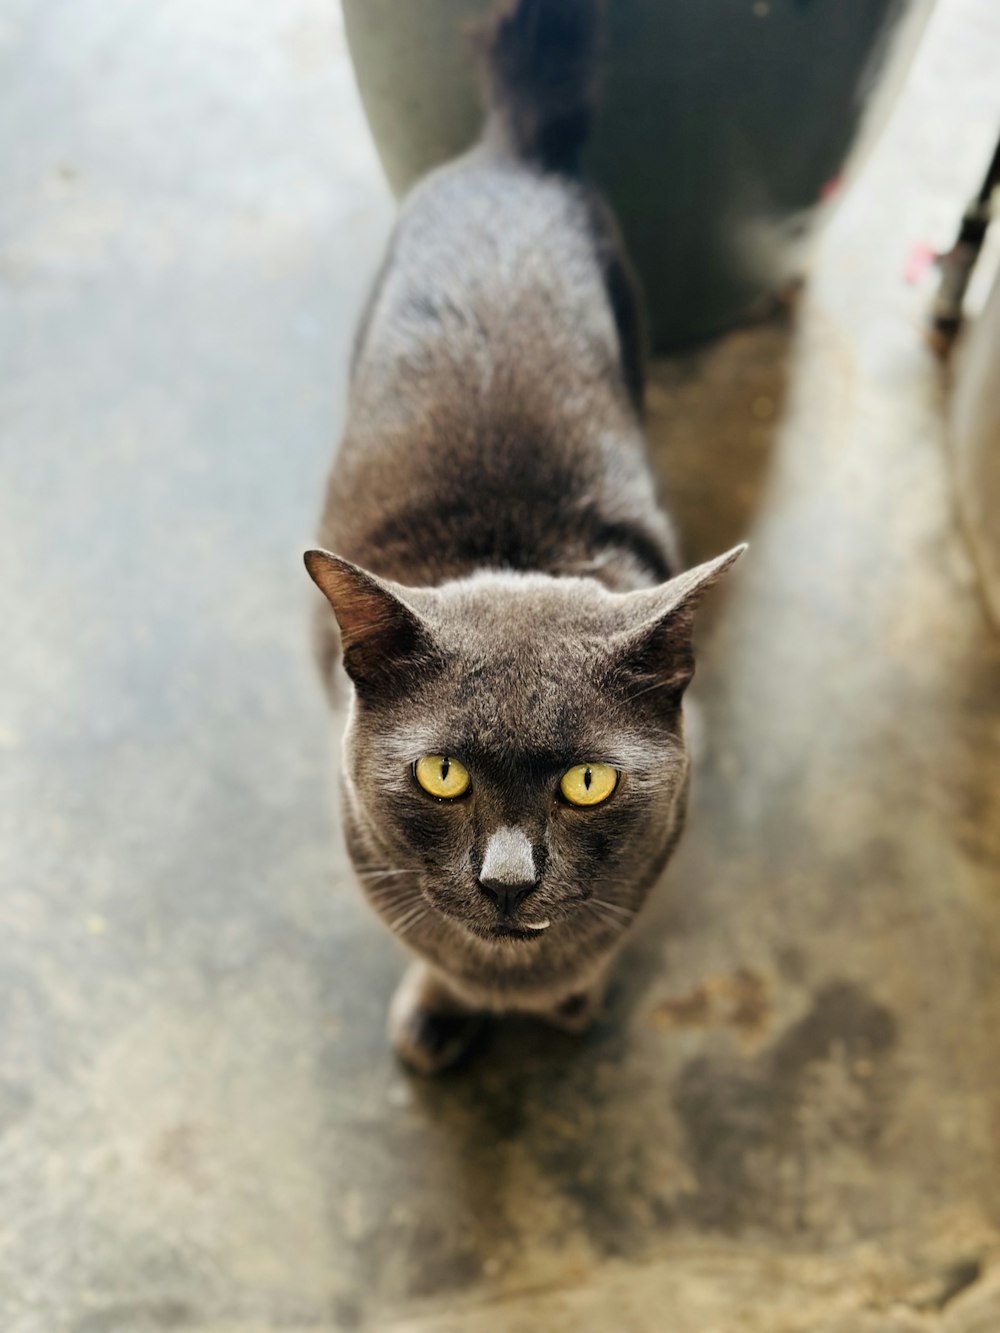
column 508, row 871
column 506, row 896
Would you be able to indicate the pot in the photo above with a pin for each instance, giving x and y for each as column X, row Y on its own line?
column 725, row 128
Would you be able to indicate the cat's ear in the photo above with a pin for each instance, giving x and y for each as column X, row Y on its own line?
column 657, row 655
column 385, row 642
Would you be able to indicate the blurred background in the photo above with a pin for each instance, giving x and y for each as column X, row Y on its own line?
column 790, row 1119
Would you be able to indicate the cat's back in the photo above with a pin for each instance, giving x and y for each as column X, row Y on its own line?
column 492, row 275
column 488, row 401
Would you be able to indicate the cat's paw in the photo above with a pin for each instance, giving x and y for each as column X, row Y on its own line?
column 429, row 1031
column 577, row 1012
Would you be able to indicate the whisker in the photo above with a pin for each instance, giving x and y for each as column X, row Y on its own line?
column 394, row 894
column 381, row 874
column 646, row 689
column 615, row 922
column 627, row 913
column 405, row 930
column 392, row 899
column 410, row 919
column 412, row 907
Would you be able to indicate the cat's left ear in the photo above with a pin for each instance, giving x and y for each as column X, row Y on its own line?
column 658, row 655
column 386, row 643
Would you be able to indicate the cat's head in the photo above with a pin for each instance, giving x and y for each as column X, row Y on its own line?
column 514, row 758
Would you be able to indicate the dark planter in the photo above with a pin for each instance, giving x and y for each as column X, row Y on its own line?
column 725, row 127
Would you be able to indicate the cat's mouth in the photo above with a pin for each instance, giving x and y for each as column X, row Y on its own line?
column 532, row 930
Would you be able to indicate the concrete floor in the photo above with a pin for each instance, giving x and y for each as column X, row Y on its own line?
column 790, row 1120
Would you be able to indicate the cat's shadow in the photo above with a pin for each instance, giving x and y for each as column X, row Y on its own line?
column 538, row 1121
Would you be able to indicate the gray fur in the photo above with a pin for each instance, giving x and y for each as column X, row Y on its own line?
column 503, row 586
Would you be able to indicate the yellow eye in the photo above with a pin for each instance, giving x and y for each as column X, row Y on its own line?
column 442, row 776
column 589, row 784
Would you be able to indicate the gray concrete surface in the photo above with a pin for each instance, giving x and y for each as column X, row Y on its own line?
column 789, row 1119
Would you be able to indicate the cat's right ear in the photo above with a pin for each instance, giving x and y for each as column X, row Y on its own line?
column 657, row 655
column 385, row 642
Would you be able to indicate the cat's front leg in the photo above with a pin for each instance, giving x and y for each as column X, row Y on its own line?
column 429, row 1026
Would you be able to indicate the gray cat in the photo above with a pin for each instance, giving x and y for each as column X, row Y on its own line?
column 506, row 596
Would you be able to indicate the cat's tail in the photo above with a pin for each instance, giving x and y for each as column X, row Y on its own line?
column 541, row 63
